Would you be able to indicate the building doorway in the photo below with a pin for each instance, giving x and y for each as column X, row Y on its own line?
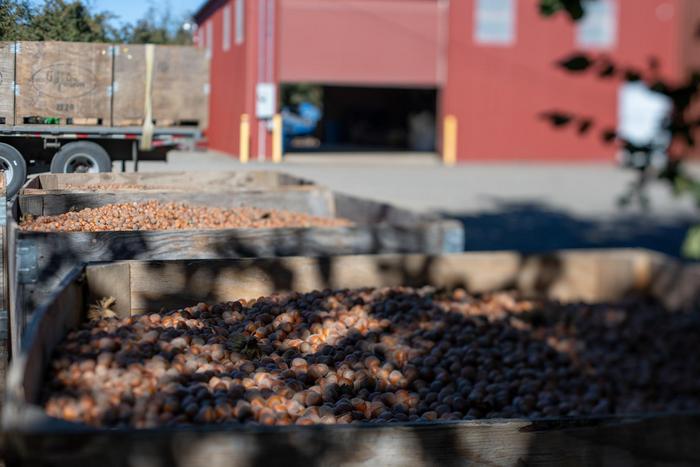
column 323, row 118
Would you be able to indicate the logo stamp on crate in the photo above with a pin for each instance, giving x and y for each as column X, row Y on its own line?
column 65, row 107
column 64, row 80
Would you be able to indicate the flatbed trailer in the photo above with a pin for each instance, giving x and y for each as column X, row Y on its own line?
column 29, row 149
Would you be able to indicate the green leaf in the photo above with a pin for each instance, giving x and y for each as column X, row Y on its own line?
column 691, row 245
column 576, row 63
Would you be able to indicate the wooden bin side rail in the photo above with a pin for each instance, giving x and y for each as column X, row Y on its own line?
column 308, row 199
column 617, row 440
column 591, row 276
column 4, row 299
column 166, row 181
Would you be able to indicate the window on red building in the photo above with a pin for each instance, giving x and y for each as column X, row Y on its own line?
column 240, row 22
column 210, row 38
column 226, row 36
column 598, row 28
column 494, row 22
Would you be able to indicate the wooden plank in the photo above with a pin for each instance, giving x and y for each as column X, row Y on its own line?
column 7, row 79
column 64, row 80
column 63, row 312
column 172, row 181
column 15, row 308
column 569, row 276
column 180, row 91
column 311, row 200
column 626, row 441
column 4, row 299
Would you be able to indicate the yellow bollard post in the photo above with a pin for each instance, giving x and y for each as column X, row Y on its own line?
column 244, row 146
column 449, row 141
column 277, row 139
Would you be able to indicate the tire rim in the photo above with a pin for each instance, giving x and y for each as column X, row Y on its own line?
column 6, row 166
column 81, row 163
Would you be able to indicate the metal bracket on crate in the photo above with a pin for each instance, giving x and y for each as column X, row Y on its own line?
column 27, row 262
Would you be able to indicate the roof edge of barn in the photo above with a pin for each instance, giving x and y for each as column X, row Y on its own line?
column 207, row 8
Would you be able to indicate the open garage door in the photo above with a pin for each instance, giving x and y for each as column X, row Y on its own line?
column 359, row 119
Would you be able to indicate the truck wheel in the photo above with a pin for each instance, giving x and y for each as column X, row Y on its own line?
column 81, row 157
column 15, row 168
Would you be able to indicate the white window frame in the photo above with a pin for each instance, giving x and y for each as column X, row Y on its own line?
column 240, row 21
column 210, row 37
column 495, row 22
column 599, row 27
column 226, row 29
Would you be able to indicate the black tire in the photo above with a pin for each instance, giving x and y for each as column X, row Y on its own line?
column 81, row 157
column 15, row 168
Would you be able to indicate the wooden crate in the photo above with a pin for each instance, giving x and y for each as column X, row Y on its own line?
column 659, row 439
column 44, row 259
column 7, row 81
column 180, row 86
column 68, row 81
column 50, row 194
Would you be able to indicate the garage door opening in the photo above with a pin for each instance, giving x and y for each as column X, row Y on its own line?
column 358, row 119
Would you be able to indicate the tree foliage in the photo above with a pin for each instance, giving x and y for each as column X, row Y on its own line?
column 76, row 21
column 15, row 20
column 682, row 125
column 155, row 28
column 573, row 8
column 60, row 20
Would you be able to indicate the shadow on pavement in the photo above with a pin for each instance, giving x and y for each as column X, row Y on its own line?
column 536, row 228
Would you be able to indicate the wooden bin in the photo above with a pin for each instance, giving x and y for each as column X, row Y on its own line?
column 42, row 260
column 667, row 439
column 7, row 81
column 180, row 90
column 51, row 194
column 63, row 82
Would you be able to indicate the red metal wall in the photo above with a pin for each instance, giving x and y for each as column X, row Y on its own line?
column 360, row 42
column 498, row 92
column 235, row 73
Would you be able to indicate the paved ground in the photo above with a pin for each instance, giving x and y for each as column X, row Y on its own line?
column 530, row 207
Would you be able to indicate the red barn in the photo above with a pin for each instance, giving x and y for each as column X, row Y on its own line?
column 489, row 63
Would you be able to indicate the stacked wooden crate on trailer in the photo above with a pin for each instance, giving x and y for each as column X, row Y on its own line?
column 77, row 107
column 351, row 225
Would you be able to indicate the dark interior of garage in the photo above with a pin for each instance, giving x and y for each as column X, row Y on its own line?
column 359, row 119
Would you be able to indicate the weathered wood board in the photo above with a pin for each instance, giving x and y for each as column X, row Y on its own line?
column 164, row 181
column 312, row 200
column 4, row 299
column 180, row 91
column 657, row 439
column 69, row 81
column 7, row 81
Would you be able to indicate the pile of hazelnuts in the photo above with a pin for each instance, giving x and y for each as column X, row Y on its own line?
column 387, row 355
column 156, row 215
